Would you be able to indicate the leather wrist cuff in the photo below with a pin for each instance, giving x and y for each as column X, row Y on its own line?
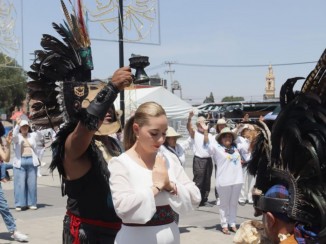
column 103, row 100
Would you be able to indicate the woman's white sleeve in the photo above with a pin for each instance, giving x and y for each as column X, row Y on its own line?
column 131, row 205
column 188, row 194
column 187, row 144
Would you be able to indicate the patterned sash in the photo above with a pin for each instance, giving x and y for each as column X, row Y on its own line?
column 164, row 215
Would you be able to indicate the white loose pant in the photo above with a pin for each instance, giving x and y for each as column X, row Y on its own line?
column 246, row 190
column 229, row 196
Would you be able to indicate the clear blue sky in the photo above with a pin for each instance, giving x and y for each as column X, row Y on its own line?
column 209, row 32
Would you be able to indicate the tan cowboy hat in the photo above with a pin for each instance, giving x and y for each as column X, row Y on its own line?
column 172, row 133
column 226, row 130
column 108, row 129
column 221, row 122
column 245, row 127
column 112, row 127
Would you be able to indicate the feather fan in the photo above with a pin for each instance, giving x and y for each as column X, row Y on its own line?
column 58, row 61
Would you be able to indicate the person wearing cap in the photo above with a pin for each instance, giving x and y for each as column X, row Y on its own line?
column 279, row 228
column 176, row 148
column 229, row 178
column 202, row 161
column 25, row 164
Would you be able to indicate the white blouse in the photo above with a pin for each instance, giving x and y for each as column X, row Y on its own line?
column 229, row 169
column 134, row 201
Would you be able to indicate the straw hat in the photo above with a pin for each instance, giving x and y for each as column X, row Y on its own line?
column 226, row 130
column 108, row 129
column 221, row 122
column 172, row 133
column 246, row 126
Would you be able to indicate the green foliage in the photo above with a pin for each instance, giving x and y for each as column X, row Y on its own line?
column 12, row 85
column 209, row 99
column 232, row 99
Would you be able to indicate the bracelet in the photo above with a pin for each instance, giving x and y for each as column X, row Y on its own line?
column 159, row 190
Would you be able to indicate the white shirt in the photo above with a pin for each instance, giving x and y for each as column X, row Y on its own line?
column 18, row 139
column 199, row 148
column 243, row 147
column 134, row 201
column 229, row 170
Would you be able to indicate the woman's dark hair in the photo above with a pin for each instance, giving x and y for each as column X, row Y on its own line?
column 2, row 130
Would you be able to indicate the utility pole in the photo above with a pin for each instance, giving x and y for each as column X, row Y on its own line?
column 121, row 61
column 170, row 71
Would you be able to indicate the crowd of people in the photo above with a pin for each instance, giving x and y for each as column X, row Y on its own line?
column 229, row 150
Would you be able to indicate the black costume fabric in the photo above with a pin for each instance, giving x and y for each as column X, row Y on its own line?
column 294, row 154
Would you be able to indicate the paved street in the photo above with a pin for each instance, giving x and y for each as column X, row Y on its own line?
column 45, row 224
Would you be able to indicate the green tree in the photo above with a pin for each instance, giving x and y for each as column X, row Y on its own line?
column 12, row 85
column 209, row 99
column 232, row 99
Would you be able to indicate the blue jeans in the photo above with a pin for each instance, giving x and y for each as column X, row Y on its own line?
column 4, row 211
column 25, row 183
column 3, row 168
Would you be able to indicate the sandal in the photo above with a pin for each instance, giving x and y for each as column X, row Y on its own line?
column 226, row 231
column 233, row 229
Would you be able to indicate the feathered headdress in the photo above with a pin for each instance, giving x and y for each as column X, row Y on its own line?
column 61, row 67
column 295, row 153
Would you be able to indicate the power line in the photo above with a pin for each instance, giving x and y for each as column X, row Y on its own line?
column 229, row 66
column 241, row 66
column 156, row 67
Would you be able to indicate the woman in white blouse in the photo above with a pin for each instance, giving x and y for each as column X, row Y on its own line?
column 148, row 182
column 229, row 177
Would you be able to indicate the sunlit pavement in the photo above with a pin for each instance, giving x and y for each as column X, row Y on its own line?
column 44, row 225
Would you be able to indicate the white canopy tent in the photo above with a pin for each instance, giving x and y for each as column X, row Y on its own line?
column 175, row 108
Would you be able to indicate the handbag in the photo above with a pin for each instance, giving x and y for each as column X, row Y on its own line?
column 28, row 144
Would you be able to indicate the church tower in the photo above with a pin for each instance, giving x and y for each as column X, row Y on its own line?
column 270, row 84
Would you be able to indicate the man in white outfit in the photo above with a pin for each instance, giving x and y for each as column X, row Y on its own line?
column 202, row 162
